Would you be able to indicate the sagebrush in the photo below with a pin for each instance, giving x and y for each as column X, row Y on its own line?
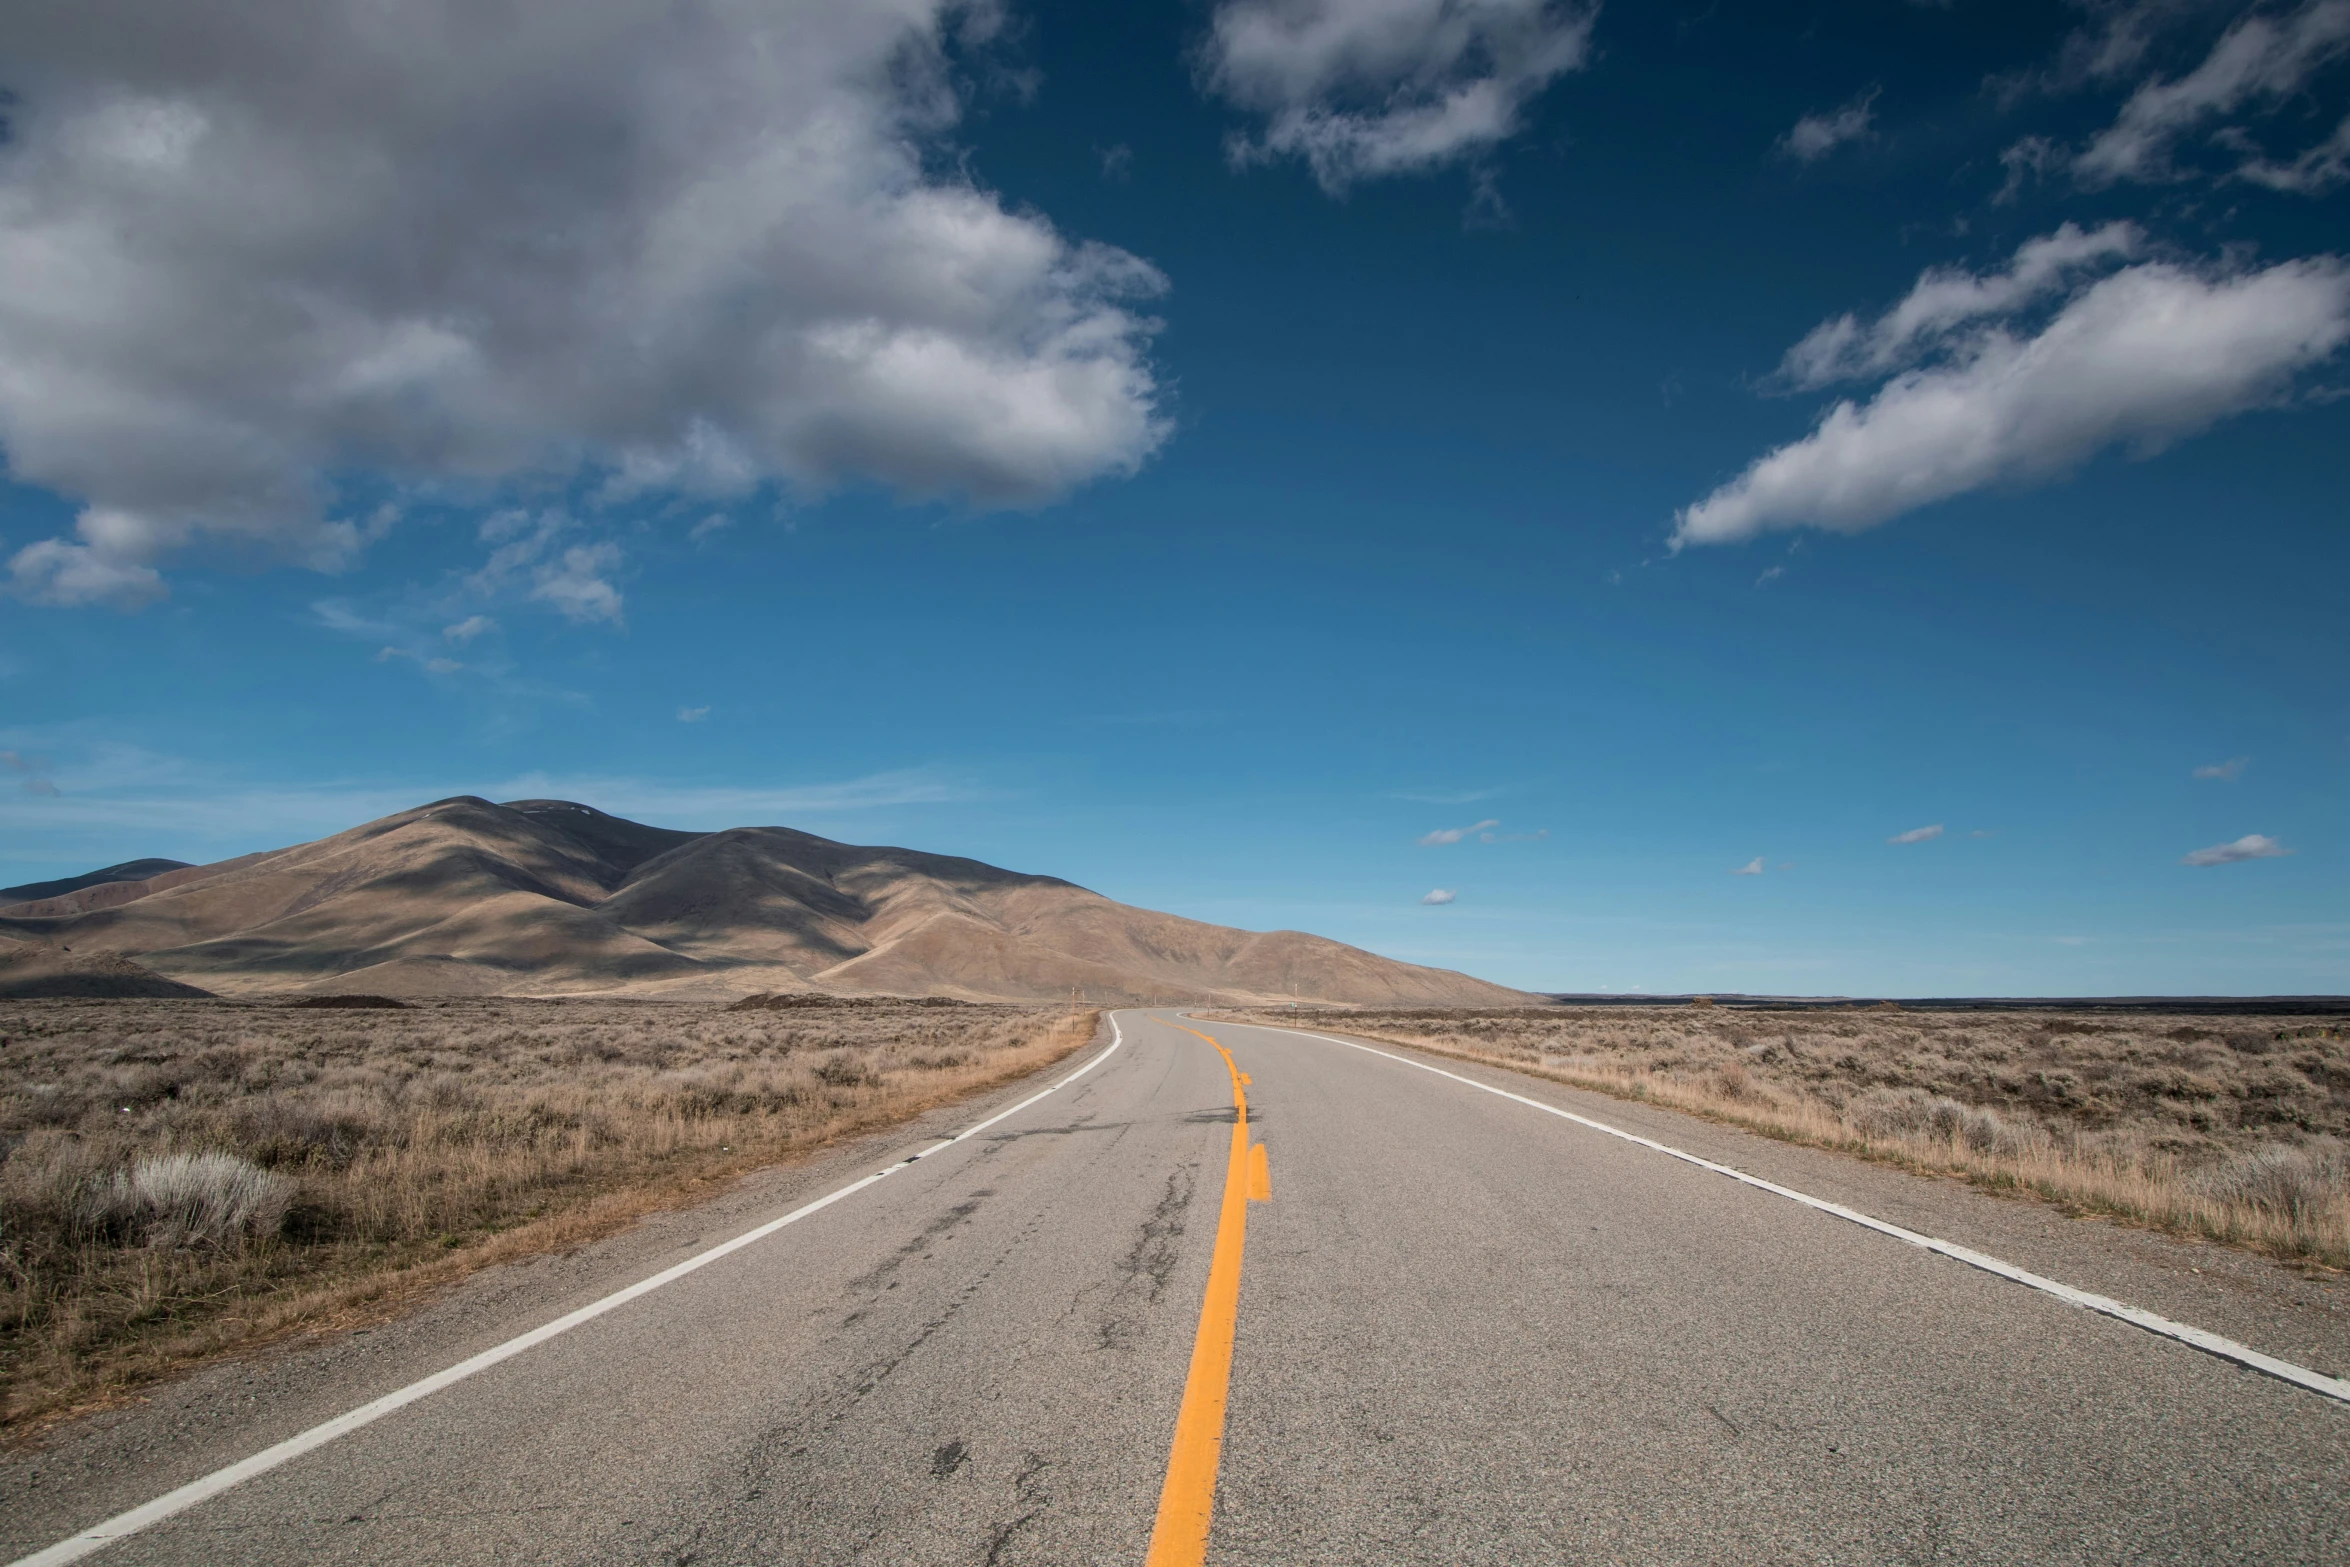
column 182, row 1177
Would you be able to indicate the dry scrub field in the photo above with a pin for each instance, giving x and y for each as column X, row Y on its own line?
column 187, row 1177
column 2229, row 1127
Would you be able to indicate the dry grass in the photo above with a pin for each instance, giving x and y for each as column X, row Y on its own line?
column 186, row 1178
column 2235, row 1128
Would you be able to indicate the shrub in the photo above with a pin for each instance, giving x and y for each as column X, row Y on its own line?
column 197, row 1199
column 2291, row 1183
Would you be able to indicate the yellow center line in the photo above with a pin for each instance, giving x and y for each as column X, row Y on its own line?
column 1187, row 1503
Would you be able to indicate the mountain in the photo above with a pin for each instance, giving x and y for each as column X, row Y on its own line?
column 129, row 870
column 547, row 897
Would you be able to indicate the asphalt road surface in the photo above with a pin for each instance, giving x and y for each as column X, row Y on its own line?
column 1466, row 1331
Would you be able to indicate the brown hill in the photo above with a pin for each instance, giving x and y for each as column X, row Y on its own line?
column 51, row 971
column 545, row 897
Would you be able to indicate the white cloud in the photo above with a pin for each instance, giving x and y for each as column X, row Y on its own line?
column 103, row 568
column 1439, row 896
column 2232, row 768
column 531, row 555
column 2261, row 58
column 2114, row 44
column 2320, row 168
column 1917, row 835
column 1364, row 88
column 1817, row 135
column 575, row 583
column 692, row 715
column 2146, row 356
column 2252, row 846
column 2025, row 161
column 1443, row 835
column 470, row 627
column 1753, row 867
column 699, row 246
column 1945, row 299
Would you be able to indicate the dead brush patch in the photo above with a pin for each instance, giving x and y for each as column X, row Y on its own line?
column 186, row 1178
column 2236, row 1129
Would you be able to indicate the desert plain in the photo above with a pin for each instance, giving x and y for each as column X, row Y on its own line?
column 187, row 1178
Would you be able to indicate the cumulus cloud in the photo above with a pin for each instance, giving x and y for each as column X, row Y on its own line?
column 470, row 627
column 1364, row 88
column 2144, row 356
column 2252, row 846
column 2231, row 769
column 1917, row 835
column 692, row 715
column 694, row 246
column 2262, row 60
column 1817, row 135
column 1444, row 835
column 102, row 568
column 1753, row 867
column 1439, row 896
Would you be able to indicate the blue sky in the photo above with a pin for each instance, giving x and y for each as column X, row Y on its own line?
column 1210, row 451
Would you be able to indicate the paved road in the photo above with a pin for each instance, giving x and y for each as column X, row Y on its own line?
column 1467, row 1332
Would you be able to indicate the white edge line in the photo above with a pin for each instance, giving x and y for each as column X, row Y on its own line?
column 2210, row 1343
column 122, row 1525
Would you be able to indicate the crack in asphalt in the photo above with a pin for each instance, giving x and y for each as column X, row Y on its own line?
column 874, row 1282
column 1150, row 1262
column 1025, row 1490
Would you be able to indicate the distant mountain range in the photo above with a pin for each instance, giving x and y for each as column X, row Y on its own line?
column 548, row 897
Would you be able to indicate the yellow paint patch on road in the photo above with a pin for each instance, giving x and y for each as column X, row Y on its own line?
column 1187, row 1502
